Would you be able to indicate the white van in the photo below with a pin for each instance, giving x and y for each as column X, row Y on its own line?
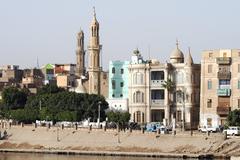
column 233, row 131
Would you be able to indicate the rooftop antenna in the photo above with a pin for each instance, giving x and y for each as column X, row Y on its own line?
column 37, row 64
column 177, row 42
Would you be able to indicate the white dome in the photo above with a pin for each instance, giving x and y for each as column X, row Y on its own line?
column 177, row 53
column 80, row 88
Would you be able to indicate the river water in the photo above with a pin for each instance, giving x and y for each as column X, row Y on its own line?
column 28, row 156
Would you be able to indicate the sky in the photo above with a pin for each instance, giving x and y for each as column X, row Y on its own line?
column 45, row 30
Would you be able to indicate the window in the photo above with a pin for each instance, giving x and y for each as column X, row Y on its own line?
column 121, row 95
column 138, row 97
column 138, row 118
column 238, row 54
column 157, row 75
column 238, row 84
column 113, row 84
column 121, row 84
column 178, row 116
column 157, row 94
column 224, row 82
column 209, row 103
column 210, row 68
column 209, row 84
column 113, row 70
column 122, row 70
column 113, row 95
column 238, row 103
column 210, row 55
column 238, row 68
column 138, row 78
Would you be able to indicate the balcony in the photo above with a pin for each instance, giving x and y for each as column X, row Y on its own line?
column 223, row 60
column 224, row 75
column 223, row 110
column 224, row 92
column 224, row 86
column 157, row 82
column 157, row 101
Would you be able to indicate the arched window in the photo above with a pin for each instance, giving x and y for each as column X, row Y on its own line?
column 138, row 117
column 138, row 97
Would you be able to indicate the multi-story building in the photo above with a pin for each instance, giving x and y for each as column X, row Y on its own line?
column 220, row 85
column 118, row 87
column 48, row 72
column 10, row 74
column 32, row 79
column 65, row 75
column 149, row 101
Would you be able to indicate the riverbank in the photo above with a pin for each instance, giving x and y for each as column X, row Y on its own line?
column 98, row 142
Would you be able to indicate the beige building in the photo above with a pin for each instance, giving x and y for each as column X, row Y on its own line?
column 92, row 80
column 150, row 102
column 32, row 79
column 220, row 85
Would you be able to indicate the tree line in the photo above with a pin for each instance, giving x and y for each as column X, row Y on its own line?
column 50, row 103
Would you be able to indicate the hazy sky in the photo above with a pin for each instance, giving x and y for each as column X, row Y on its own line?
column 47, row 28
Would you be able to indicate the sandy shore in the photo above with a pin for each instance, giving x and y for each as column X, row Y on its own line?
column 98, row 140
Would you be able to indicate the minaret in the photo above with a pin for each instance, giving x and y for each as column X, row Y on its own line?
column 94, row 48
column 80, row 54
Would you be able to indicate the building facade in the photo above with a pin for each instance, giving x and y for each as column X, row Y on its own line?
column 118, row 87
column 149, row 101
column 220, row 85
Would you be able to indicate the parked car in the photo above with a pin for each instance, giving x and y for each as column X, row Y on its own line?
column 164, row 130
column 208, row 129
column 232, row 131
column 153, row 126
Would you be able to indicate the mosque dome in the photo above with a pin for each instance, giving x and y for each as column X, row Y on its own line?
column 177, row 55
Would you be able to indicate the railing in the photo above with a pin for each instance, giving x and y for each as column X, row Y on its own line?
column 224, row 75
column 224, row 86
column 157, row 82
column 223, row 110
column 224, row 92
column 223, row 60
column 158, row 101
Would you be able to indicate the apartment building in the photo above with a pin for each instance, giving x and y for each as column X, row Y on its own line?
column 220, row 85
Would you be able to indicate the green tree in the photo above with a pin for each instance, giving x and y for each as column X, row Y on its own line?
column 50, row 88
column 169, row 85
column 14, row 98
column 119, row 117
column 233, row 118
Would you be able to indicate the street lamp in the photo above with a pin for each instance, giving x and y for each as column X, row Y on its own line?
column 99, row 107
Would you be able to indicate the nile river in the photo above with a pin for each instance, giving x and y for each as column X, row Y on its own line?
column 26, row 156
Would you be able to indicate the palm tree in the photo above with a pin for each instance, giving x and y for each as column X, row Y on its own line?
column 169, row 85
